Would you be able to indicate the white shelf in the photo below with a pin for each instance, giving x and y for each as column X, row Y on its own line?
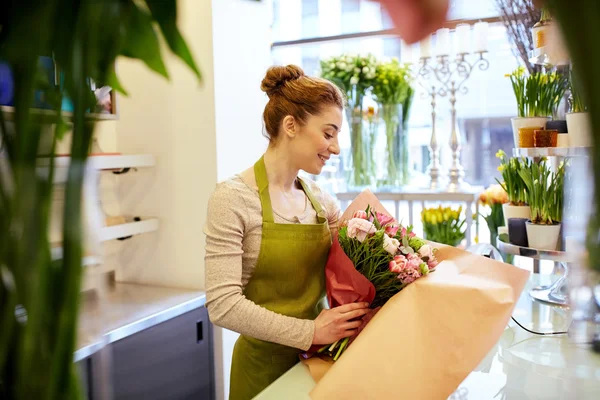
column 57, row 254
column 129, row 229
column 113, row 162
column 50, row 115
column 551, row 151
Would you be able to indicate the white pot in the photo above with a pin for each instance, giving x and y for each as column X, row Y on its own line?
column 527, row 122
column 580, row 131
column 511, row 211
column 542, row 237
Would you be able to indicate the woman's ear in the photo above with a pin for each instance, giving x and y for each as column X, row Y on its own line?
column 290, row 127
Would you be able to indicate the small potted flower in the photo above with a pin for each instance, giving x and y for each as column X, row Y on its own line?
column 443, row 225
column 545, row 198
column 578, row 120
column 494, row 197
column 512, row 183
column 537, row 97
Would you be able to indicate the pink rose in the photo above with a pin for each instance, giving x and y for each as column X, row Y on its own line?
column 409, row 275
column 359, row 228
column 360, row 214
column 391, row 229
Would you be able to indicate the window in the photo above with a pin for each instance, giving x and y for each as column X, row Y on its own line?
column 307, row 31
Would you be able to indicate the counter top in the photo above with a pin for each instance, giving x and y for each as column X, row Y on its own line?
column 126, row 309
column 521, row 365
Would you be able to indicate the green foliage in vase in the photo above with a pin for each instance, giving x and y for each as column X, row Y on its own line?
column 39, row 296
column 512, row 181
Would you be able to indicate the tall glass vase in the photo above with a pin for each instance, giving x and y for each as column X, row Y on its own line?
column 391, row 115
column 359, row 174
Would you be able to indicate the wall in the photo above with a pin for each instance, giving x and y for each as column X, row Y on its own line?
column 175, row 121
column 242, row 54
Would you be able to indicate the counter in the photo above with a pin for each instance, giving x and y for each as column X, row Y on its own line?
column 126, row 309
column 522, row 365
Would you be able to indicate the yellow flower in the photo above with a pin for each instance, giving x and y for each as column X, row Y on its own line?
column 434, row 219
column 501, row 167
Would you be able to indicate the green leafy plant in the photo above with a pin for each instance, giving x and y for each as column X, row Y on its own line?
column 537, row 94
column 39, row 296
column 577, row 103
column 544, row 192
column 512, row 180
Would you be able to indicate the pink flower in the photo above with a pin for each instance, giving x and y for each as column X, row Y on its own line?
column 409, row 275
column 391, row 229
column 384, row 219
column 359, row 228
column 432, row 263
column 412, row 235
column 360, row 214
column 398, row 264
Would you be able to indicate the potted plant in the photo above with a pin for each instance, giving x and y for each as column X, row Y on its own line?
column 537, row 96
column 391, row 89
column 443, row 225
column 494, row 197
column 513, row 185
column 578, row 120
column 39, row 296
column 545, row 198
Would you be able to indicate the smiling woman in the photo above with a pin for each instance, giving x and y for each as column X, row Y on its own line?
column 268, row 234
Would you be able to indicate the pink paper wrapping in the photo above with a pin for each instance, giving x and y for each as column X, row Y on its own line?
column 425, row 340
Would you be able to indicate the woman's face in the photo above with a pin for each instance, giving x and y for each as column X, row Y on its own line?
column 314, row 142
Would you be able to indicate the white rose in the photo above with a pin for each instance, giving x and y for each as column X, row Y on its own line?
column 354, row 80
column 425, row 251
column 390, row 245
column 357, row 70
column 365, row 70
column 332, row 65
column 342, row 65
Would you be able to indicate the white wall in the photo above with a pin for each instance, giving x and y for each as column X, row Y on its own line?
column 242, row 54
column 175, row 121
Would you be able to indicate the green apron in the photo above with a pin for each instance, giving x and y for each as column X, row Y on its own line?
column 289, row 279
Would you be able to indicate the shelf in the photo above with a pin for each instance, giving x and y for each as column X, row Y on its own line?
column 112, row 162
column 129, row 229
column 57, row 254
column 551, row 152
column 556, row 256
column 541, row 56
column 50, row 115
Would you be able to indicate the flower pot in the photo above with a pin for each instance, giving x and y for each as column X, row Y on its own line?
column 511, row 211
column 517, row 232
column 580, row 132
column 543, row 237
column 529, row 122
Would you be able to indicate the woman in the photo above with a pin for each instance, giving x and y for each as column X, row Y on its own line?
column 268, row 235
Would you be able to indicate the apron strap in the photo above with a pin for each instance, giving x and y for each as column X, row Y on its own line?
column 316, row 205
column 260, row 172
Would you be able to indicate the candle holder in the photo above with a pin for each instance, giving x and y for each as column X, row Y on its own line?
column 451, row 75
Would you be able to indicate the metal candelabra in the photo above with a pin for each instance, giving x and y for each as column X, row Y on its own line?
column 451, row 76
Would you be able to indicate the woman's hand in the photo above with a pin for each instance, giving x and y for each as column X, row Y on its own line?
column 338, row 323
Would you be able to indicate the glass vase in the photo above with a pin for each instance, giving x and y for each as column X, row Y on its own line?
column 359, row 176
column 391, row 115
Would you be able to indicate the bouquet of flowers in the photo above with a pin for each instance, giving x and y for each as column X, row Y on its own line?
column 387, row 256
column 446, row 322
column 443, row 225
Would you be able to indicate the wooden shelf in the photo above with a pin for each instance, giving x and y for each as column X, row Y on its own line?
column 129, row 229
column 50, row 115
